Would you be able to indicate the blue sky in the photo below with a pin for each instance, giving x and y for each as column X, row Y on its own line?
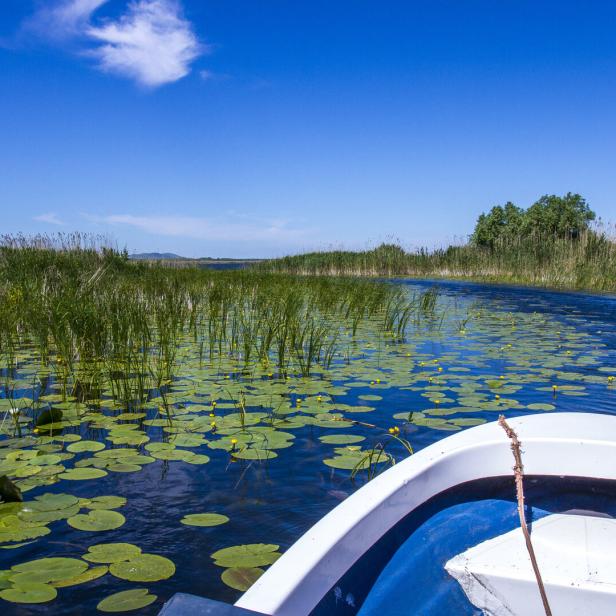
column 243, row 128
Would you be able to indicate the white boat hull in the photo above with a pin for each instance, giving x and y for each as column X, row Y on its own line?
column 563, row 444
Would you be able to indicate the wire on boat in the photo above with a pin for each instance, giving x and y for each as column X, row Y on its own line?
column 518, row 471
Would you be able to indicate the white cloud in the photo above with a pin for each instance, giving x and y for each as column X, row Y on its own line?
column 207, row 228
column 75, row 13
column 62, row 19
column 49, row 218
column 152, row 43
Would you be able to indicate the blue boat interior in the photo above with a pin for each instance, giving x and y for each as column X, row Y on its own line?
column 404, row 573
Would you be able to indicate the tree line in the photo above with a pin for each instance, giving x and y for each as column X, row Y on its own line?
column 551, row 216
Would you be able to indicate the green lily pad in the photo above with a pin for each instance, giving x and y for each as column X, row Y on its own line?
column 144, row 568
column 187, row 440
column 111, row 552
column 5, row 581
column 117, row 453
column 47, row 459
column 204, row 519
column 197, row 458
column 80, row 474
column 53, row 502
column 123, row 468
column 44, row 570
column 468, row 421
column 342, row 439
column 97, row 520
column 82, row 446
column 349, row 463
column 538, row 406
column 87, row 576
column 171, row 454
column 106, row 502
column 129, row 416
column 29, row 593
column 159, row 446
column 45, row 517
column 249, row 555
column 27, row 471
column 12, row 534
column 127, row 600
column 254, row 454
column 241, row 578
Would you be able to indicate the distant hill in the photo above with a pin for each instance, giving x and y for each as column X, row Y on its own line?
column 155, row 256
column 177, row 260
column 170, row 256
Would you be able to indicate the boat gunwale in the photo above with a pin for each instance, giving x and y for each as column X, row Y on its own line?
column 555, row 444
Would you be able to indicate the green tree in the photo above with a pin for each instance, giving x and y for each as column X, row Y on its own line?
column 549, row 217
column 500, row 222
column 553, row 216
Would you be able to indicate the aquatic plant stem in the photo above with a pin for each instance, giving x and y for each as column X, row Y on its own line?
column 518, row 471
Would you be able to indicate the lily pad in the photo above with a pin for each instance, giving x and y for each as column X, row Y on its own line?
column 53, row 502
column 539, row 406
column 123, row 468
column 111, row 552
column 87, row 576
column 44, row 570
column 342, row 439
column 241, row 578
column 97, row 520
column 204, row 519
column 106, row 502
column 249, row 555
column 144, row 568
column 127, row 600
column 10, row 534
column 255, row 454
column 29, row 593
column 80, row 474
column 82, row 446
column 45, row 517
column 197, row 458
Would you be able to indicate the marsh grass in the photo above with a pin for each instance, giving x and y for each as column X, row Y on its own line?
column 96, row 322
column 586, row 262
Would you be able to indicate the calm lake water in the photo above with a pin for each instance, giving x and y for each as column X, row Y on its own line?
column 488, row 350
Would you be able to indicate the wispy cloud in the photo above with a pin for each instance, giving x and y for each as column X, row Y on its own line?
column 62, row 19
column 49, row 218
column 238, row 229
column 151, row 43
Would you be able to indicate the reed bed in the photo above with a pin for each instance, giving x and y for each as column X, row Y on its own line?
column 586, row 262
column 92, row 320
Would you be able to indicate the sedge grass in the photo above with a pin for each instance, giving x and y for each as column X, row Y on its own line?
column 586, row 262
column 99, row 322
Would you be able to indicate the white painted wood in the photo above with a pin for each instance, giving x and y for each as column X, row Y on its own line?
column 575, row 554
column 574, row 444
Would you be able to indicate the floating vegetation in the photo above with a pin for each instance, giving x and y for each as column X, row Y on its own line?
column 127, row 600
column 204, row 519
column 243, row 563
column 111, row 552
column 143, row 568
column 36, row 581
column 241, row 578
column 97, row 520
column 137, row 398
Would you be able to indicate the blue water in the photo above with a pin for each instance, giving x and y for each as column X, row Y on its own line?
column 278, row 501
